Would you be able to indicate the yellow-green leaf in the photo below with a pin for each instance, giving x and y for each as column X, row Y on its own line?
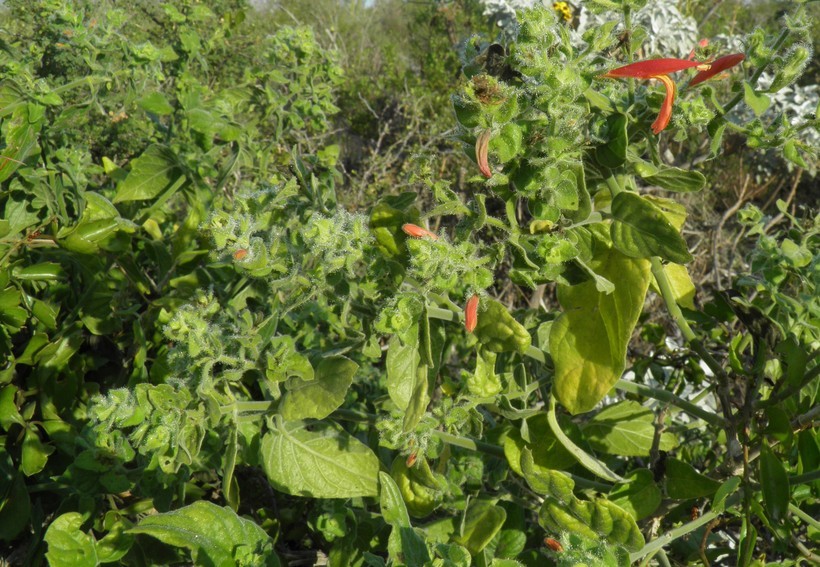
column 588, row 341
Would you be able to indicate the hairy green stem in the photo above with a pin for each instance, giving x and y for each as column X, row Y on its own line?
column 722, row 379
column 739, row 96
column 804, row 478
column 805, row 517
column 674, row 310
column 469, row 443
column 672, row 399
column 613, row 185
column 665, row 539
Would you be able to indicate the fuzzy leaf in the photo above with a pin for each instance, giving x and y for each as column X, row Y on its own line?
column 318, row 460
column 641, row 230
column 153, row 172
column 627, row 429
column 215, row 535
column 588, row 341
column 318, row 398
column 684, row 482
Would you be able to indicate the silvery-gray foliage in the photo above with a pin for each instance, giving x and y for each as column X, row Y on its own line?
column 795, row 101
column 669, row 33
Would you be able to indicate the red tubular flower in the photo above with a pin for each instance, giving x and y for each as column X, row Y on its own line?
column 657, row 69
column 417, row 232
column 651, row 68
column 718, row 65
column 471, row 314
column 482, row 146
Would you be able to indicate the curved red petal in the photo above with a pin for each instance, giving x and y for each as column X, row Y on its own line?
column 651, row 68
column 662, row 121
column 482, row 146
column 717, row 66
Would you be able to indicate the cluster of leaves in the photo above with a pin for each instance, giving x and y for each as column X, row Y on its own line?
column 192, row 102
column 208, row 324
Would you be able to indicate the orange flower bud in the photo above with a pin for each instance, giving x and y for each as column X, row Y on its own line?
column 240, row 254
column 553, row 544
column 417, row 232
column 482, row 146
column 471, row 314
column 411, row 460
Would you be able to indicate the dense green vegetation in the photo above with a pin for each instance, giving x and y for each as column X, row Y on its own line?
column 339, row 283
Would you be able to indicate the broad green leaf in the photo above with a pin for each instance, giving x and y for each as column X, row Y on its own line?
column 612, row 154
column 318, row 398
column 546, row 481
column 588, row 340
column 584, row 459
column 154, row 172
column 404, row 543
column 215, row 535
column 640, row 230
column 318, row 460
column 35, row 454
column 775, row 484
column 116, row 543
column 684, row 482
column 758, row 102
column 482, row 520
column 727, row 488
column 46, row 313
column 716, row 128
column 391, row 502
column 681, row 283
column 156, row 103
column 419, row 399
column 402, row 365
column 547, row 451
column 809, row 451
column 506, row 144
column 484, row 382
column 457, row 555
column 591, row 519
column 511, row 541
column 67, row 545
column 386, row 221
column 625, row 428
column 8, row 409
column 19, row 135
column 284, row 361
column 15, row 505
column 676, row 179
column 584, row 203
column 640, row 496
column 791, row 153
column 674, row 212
